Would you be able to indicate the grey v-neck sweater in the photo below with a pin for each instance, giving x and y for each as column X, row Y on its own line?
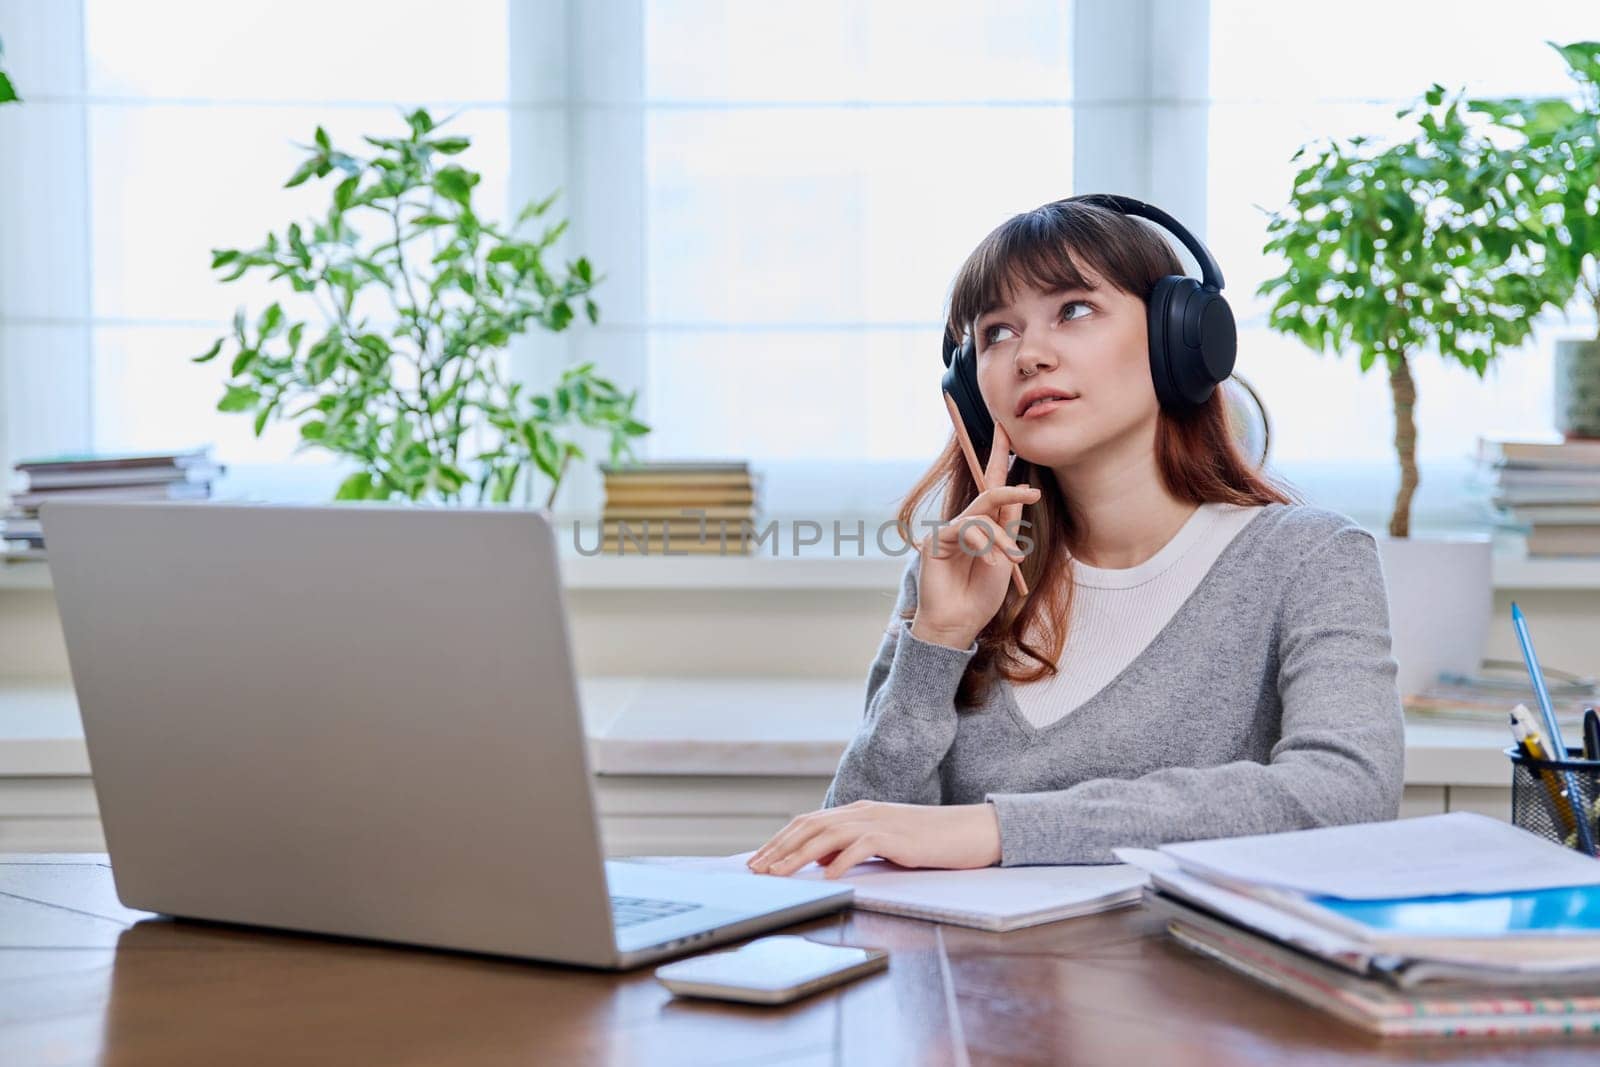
column 1267, row 703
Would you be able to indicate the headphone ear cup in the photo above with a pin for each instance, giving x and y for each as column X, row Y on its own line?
column 1158, row 318
column 1193, row 342
column 961, row 382
column 1218, row 334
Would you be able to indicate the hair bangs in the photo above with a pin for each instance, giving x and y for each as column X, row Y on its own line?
column 1027, row 251
column 1061, row 245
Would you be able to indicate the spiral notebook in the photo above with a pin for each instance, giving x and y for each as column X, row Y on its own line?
column 985, row 898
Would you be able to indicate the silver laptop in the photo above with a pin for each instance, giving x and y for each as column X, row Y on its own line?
column 361, row 720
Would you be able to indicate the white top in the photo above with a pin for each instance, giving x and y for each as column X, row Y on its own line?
column 1116, row 613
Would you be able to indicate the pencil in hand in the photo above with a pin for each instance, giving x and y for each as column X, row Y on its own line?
column 977, row 476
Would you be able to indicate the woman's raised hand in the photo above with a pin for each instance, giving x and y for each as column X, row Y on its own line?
column 966, row 563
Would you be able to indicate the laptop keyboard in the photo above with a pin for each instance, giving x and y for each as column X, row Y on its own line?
column 630, row 911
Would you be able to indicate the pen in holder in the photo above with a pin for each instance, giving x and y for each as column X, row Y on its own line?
column 1547, row 795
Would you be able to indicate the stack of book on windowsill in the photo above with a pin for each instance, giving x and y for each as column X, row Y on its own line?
column 679, row 508
column 145, row 476
column 1550, row 490
column 1447, row 925
column 1484, row 697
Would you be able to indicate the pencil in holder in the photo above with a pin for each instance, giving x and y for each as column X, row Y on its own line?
column 1548, row 795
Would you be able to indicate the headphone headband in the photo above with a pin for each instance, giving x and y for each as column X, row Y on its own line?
column 1210, row 273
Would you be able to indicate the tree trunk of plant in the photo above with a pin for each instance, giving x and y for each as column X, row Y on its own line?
column 555, row 486
column 1404, row 391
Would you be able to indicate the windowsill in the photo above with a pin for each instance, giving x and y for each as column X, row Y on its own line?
column 824, row 572
column 702, row 727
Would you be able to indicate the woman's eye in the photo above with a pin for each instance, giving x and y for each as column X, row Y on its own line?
column 989, row 337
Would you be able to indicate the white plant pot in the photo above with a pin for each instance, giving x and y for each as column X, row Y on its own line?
column 1577, row 387
column 1441, row 599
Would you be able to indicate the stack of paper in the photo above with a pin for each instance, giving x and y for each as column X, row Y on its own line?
column 1450, row 924
column 988, row 898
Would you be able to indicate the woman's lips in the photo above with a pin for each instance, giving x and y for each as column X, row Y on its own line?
column 1045, row 407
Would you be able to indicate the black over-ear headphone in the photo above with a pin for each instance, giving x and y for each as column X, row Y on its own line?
column 1192, row 336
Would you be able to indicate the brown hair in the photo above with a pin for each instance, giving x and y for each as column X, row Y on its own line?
column 1196, row 453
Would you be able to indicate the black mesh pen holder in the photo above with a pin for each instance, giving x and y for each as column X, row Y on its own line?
column 1547, row 795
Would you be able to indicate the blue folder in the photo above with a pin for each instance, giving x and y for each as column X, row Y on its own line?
column 1574, row 910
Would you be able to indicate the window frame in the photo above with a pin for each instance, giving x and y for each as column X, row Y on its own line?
column 1139, row 94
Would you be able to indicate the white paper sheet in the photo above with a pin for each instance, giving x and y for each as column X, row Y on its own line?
column 1165, row 874
column 1434, row 855
column 995, row 898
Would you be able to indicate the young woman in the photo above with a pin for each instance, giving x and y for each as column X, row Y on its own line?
column 1199, row 655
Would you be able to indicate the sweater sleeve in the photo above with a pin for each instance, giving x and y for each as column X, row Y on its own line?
column 910, row 717
column 1339, row 759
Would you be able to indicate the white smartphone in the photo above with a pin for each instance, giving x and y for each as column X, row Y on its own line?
column 770, row 970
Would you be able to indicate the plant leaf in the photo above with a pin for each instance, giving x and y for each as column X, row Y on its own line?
column 356, row 487
column 345, row 192
column 302, row 172
column 271, row 320
column 239, row 398
column 454, row 183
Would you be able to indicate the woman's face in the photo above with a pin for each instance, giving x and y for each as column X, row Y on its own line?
column 1089, row 346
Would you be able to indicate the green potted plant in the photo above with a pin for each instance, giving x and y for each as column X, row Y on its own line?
column 413, row 388
column 1390, row 251
column 1558, row 150
column 8, row 92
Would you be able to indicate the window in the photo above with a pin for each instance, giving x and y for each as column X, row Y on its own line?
column 1333, row 426
column 778, row 193
column 189, row 147
column 808, row 177
column 815, row 174
column 186, row 141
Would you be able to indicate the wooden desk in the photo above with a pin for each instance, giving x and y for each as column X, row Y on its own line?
column 84, row 980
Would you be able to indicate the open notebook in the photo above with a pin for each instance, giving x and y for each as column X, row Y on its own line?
column 988, row 898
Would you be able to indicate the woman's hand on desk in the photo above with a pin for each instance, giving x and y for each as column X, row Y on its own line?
column 953, row 836
column 966, row 563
